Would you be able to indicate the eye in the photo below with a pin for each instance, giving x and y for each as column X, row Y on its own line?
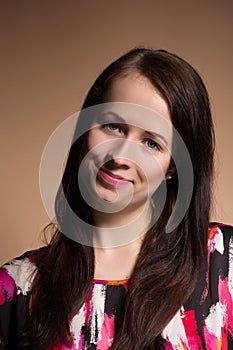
column 152, row 145
column 113, row 127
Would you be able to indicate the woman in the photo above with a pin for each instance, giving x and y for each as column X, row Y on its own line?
column 167, row 286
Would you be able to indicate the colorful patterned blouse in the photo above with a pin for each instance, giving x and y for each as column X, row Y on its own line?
column 204, row 322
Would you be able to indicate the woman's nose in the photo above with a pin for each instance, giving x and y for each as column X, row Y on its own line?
column 124, row 153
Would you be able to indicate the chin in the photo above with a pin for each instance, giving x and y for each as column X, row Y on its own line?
column 108, row 197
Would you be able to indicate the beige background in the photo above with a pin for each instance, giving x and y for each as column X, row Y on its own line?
column 51, row 51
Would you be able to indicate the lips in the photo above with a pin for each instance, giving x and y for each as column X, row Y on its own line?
column 111, row 178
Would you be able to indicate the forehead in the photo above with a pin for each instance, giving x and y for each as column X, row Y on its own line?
column 137, row 89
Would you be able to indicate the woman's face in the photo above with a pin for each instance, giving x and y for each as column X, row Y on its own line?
column 128, row 150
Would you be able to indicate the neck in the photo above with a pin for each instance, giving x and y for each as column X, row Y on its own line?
column 116, row 263
column 119, row 229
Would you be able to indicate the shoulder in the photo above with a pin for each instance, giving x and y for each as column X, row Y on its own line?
column 16, row 276
column 220, row 239
column 220, row 262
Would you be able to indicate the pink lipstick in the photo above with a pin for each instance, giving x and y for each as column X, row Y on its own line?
column 110, row 178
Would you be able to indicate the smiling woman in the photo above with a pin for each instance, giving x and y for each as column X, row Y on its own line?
column 141, row 171
column 123, row 168
column 136, row 90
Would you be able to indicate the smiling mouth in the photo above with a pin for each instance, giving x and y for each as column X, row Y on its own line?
column 111, row 179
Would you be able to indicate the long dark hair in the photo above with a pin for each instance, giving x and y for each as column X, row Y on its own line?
column 168, row 265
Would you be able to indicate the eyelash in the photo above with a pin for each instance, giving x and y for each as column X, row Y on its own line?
column 156, row 145
column 110, row 125
column 114, row 127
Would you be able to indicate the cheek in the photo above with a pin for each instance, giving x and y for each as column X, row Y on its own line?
column 94, row 138
column 155, row 170
column 165, row 163
column 90, row 141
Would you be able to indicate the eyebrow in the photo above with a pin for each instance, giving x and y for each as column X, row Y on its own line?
column 115, row 115
column 123, row 121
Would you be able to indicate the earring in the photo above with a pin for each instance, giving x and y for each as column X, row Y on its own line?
column 169, row 177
